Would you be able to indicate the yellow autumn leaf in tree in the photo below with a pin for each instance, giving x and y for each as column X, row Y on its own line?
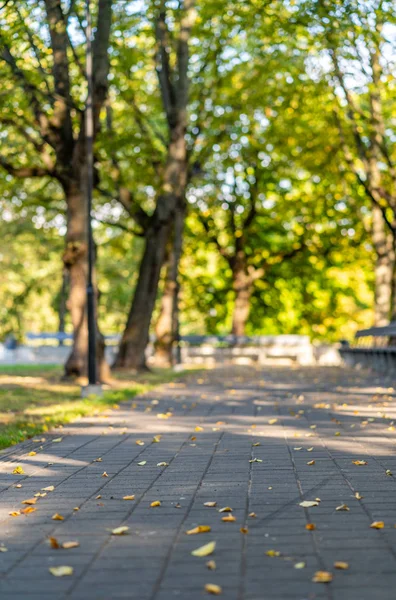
column 205, row 550
column 199, row 529
column 61, row 571
column 214, row 589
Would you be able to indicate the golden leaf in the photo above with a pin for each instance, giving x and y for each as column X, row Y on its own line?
column 309, row 503
column 32, row 453
column 322, row 577
column 98, row 497
column 359, row 462
column 155, row 503
column 204, row 550
column 132, row 497
column 211, row 564
column 310, row 526
column 311, row 462
column 225, row 509
column 337, row 433
column 69, row 545
column 57, row 517
column 29, row 501
column 244, row 530
column 252, row 515
column 15, row 513
column 18, row 470
column 299, row 565
column 212, row 588
column 50, row 488
column 18, row 485
column 61, row 571
column 377, row 525
column 28, row 510
column 139, row 443
column 104, row 474
column 142, row 463
column 53, row 542
column 228, row 519
column 256, row 444
column 342, row 507
column 40, row 495
column 339, row 564
column 273, row 553
column 210, row 504
column 98, row 459
column 388, row 472
column 358, row 496
column 297, row 448
column 272, row 421
column 120, row 530
column 157, row 438
column 310, row 449
column 162, row 464
column 198, row 428
column 57, row 440
column 193, row 438
column 199, row 529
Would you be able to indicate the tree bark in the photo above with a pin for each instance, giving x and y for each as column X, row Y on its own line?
column 243, row 287
column 384, row 267
column 167, row 326
column 63, row 304
column 75, row 260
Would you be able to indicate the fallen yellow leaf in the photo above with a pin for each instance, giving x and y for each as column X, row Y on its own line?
column 15, row 513
column 299, row 565
column 309, row 503
column 50, row 488
column 256, row 444
column 225, row 509
column 228, row 519
column 28, row 510
column 244, row 530
column 310, row 449
column 310, row 526
column 29, row 501
column 211, row 564
column 32, row 453
column 61, row 571
column 57, row 440
column 157, row 438
column 162, row 464
column 198, row 428
column 273, row 553
column 132, row 497
column 210, row 504
column 272, row 421
column 18, row 470
column 204, row 550
column 104, row 474
column 69, row 545
column 199, row 529
column 311, row 462
column 53, row 542
column 212, row 588
column 377, row 525
column 57, row 517
column 322, row 577
column 142, row 463
column 358, row 496
column 155, row 503
column 359, row 462
column 342, row 507
column 139, row 443
column 120, row 530
column 252, row 515
column 253, row 460
column 388, row 472
column 339, row 564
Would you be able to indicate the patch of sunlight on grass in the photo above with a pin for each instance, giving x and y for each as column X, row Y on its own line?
column 33, row 399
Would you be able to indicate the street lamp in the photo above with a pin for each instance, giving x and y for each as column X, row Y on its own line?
column 93, row 387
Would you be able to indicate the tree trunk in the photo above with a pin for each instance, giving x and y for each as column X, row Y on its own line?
column 384, row 268
column 243, row 288
column 167, row 326
column 75, row 260
column 63, row 304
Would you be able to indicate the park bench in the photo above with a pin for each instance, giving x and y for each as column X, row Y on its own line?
column 373, row 348
column 265, row 349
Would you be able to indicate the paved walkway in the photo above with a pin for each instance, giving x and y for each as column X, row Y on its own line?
column 238, row 437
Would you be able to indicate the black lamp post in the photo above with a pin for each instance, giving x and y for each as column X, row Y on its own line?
column 89, row 139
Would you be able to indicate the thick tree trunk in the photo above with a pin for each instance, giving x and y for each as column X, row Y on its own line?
column 63, row 304
column 384, row 269
column 167, row 326
column 75, row 260
column 243, row 288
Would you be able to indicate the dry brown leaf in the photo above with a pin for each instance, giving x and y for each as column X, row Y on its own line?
column 210, row 504
column 225, row 509
column 199, row 529
column 205, row 550
column 211, row 565
column 310, row 526
column 342, row 507
column 155, row 503
column 18, row 470
column 53, row 542
column 61, row 571
column 377, row 525
column 228, row 519
column 212, row 588
column 359, row 463
column 309, row 503
column 244, row 530
column 27, row 510
column 57, row 517
column 132, row 497
column 339, row 564
column 273, row 553
column 322, row 577
column 120, row 530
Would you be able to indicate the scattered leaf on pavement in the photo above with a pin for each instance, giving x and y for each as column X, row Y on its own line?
column 228, row 519
column 342, row 507
column 273, row 553
column 322, row 577
column 199, row 529
column 309, row 503
column 61, row 571
column 205, row 550
column 132, row 497
column 142, row 463
column 377, row 525
column 339, row 564
column 359, row 463
column 57, row 517
column 210, row 504
column 211, row 565
column 299, row 565
column 225, row 509
column 310, row 526
column 120, row 530
column 212, row 588
column 18, row 470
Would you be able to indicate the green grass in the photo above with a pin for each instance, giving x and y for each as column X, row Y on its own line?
column 33, row 399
